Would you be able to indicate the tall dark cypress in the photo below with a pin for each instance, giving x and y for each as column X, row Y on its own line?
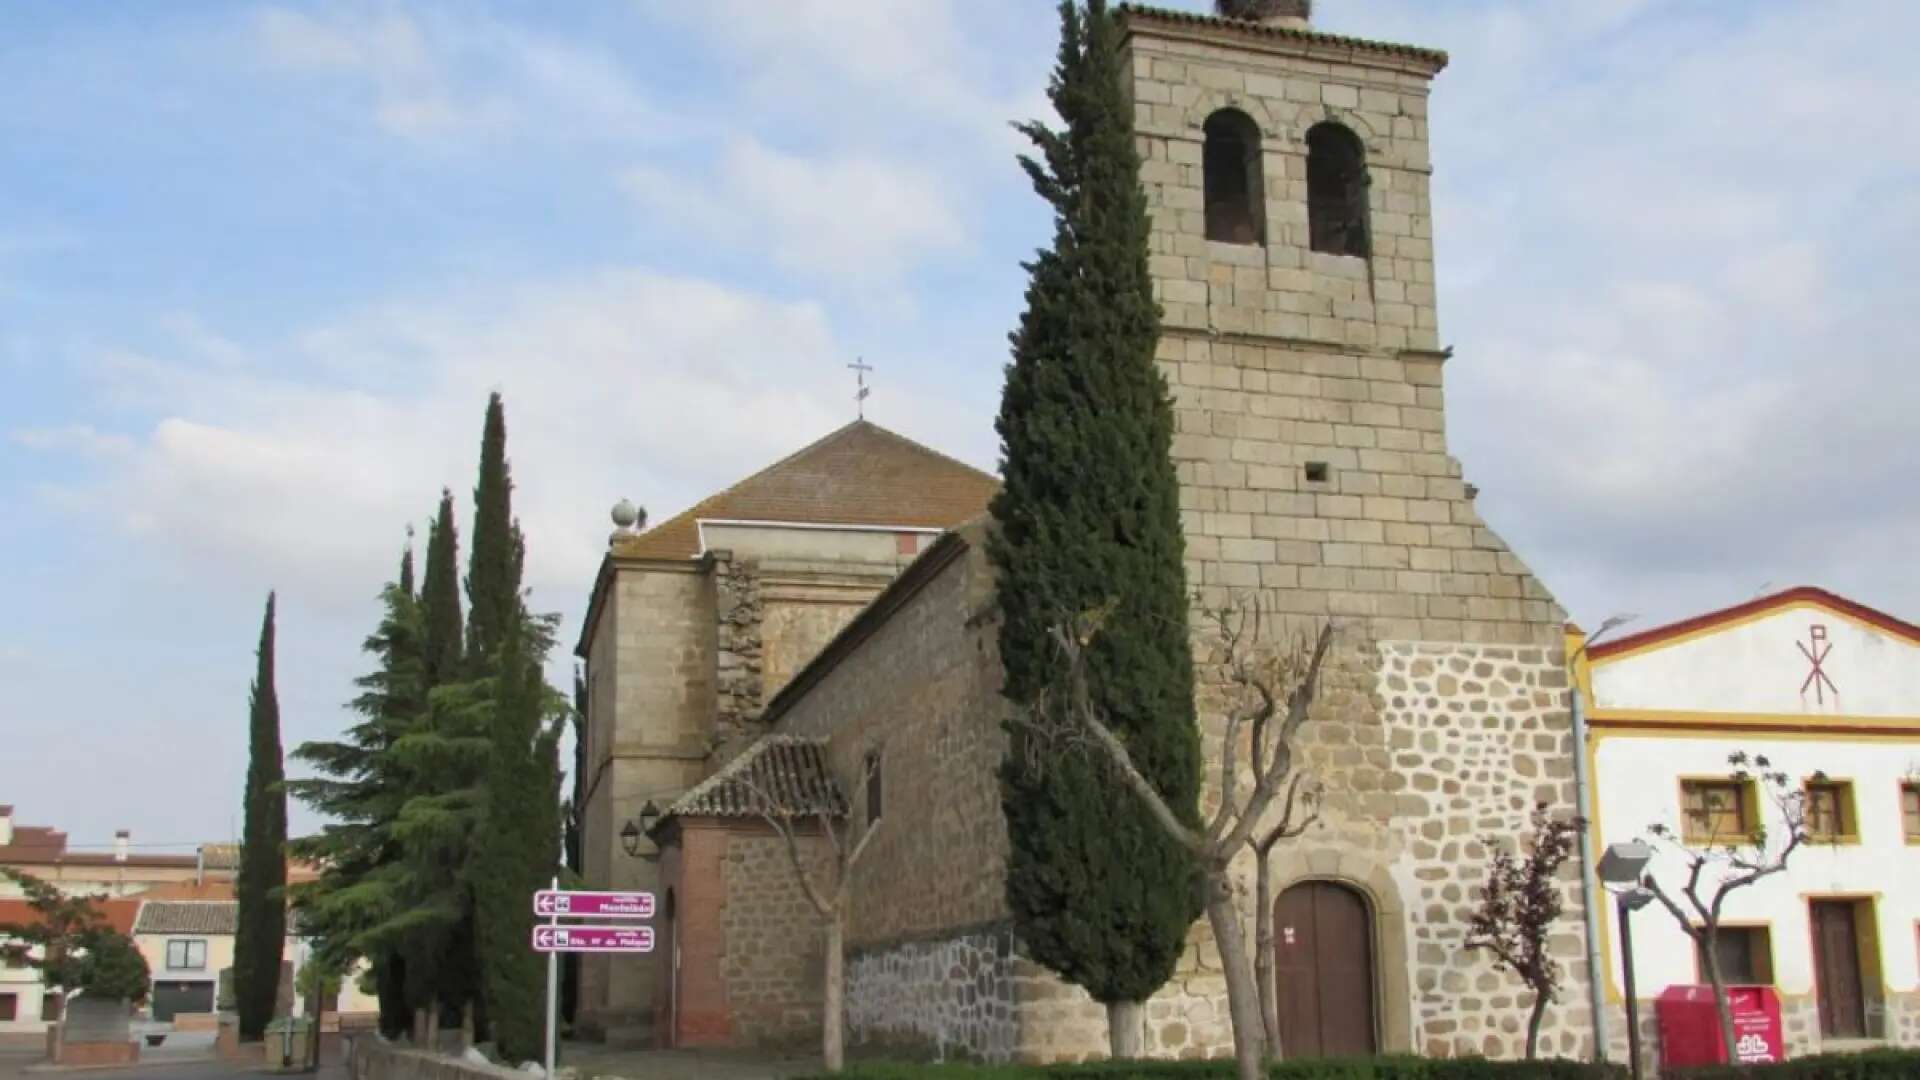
column 1088, row 516
column 517, row 848
column 261, row 890
column 493, row 575
column 440, row 597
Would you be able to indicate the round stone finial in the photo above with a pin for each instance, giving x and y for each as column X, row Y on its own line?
column 1289, row 13
column 625, row 514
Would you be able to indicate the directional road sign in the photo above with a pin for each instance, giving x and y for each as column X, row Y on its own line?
column 583, row 939
column 555, row 903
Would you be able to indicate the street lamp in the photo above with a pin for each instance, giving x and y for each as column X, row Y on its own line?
column 1583, row 800
column 1625, row 865
column 636, row 827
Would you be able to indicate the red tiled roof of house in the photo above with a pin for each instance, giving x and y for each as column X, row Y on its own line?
column 862, row 474
column 119, row 914
column 33, row 842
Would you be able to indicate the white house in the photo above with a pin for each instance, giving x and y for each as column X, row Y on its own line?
column 1829, row 692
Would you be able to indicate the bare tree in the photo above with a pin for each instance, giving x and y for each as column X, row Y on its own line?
column 1271, row 694
column 1263, row 942
column 830, row 894
column 1519, row 906
column 1729, row 849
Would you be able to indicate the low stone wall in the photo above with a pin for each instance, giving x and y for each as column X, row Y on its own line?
column 376, row 1060
column 945, row 999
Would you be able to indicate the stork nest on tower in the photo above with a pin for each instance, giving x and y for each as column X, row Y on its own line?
column 1261, row 10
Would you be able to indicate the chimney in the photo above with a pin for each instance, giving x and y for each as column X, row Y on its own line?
column 1282, row 14
column 122, row 840
column 6, row 825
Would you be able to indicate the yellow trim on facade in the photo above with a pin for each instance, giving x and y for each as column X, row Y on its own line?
column 1684, row 718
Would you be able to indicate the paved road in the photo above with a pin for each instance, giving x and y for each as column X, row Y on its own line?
column 13, row 1066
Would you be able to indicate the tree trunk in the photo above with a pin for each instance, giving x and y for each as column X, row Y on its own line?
column 1127, row 1030
column 1533, row 1024
column 1263, row 960
column 419, row 1027
column 433, row 1028
column 1720, row 1003
column 466, row 1027
column 1243, row 1004
column 834, row 1000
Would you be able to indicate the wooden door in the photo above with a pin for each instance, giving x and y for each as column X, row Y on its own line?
column 1836, row 967
column 1323, row 946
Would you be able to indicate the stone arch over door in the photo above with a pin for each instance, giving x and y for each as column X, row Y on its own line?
column 1392, row 983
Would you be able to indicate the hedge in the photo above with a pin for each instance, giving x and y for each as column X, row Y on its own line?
column 1871, row 1065
column 1388, row 1068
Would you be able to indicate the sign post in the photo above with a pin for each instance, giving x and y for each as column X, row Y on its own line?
column 553, row 992
column 554, row 938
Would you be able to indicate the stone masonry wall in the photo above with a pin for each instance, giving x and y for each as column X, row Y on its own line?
column 923, row 690
column 773, row 963
column 949, row 999
column 737, row 653
column 1479, row 736
column 651, row 674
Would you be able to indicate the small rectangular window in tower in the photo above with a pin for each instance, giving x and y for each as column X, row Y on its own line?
column 1318, row 472
column 875, row 797
column 1910, row 811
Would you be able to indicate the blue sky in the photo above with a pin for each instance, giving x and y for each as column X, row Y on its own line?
column 260, row 265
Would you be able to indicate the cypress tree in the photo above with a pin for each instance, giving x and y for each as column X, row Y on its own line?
column 261, row 890
column 440, row 597
column 499, row 552
column 515, row 852
column 1088, row 517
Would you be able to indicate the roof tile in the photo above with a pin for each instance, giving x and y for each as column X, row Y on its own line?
column 862, row 474
column 786, row 775
column 188, row 917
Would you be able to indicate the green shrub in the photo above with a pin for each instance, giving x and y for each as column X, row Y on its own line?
column 1872, row 1065
column 1392, row 1068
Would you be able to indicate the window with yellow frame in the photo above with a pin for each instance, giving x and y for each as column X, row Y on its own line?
column 1718, row 810
column 1831, row 818
column 1910, row 811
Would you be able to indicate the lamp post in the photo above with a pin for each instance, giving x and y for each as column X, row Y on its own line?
column 1583, row 800
column 1625, row 865
column 635, row 828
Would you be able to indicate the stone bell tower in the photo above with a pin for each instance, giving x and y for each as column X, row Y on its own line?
column 1287, row 175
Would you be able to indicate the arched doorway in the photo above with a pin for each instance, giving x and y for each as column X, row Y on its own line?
column 1323, row 965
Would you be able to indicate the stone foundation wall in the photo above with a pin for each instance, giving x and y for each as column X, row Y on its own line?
column 1479, row 736
column 948, row 999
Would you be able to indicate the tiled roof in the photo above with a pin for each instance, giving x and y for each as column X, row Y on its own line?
column 787, row 773
column 119, row 914
column 862, row 474
column 188, row 917
column 1436, row 57
column 33, row 843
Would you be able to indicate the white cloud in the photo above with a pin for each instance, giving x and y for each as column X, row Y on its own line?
column 444, row 78
column 82, row 438
column 843, row 217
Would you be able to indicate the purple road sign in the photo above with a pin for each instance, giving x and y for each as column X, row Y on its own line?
column 555, row 903
column 580, row 939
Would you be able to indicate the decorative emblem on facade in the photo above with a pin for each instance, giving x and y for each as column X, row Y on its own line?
column 1816, row 649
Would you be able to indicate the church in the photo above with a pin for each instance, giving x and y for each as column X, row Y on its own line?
column 832, row 617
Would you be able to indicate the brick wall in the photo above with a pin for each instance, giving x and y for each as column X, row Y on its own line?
column 924, row 690
column 750, row 943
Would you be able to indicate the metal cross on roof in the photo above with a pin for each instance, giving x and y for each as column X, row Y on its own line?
column 860, row 367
